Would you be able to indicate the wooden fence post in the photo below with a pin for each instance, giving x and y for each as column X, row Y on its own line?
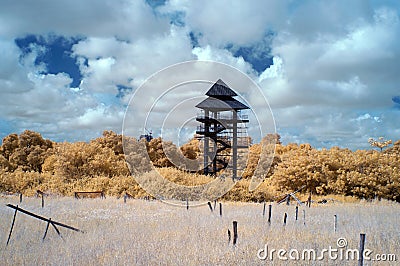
column 215, row 204
column 361, row 250
column 288, row 200
column 269, row 213
column 42, row 200
column 209, row 205
column 42, row 218
column 220, row 209
column 264, row 209
column 187, row 204
column 47, row 228
column 235, row 233
column 304, row 217
column 229, row 236
column 335, row 223
column 12, row 225
column 284, row 218
column 58, row 232
column 20, row 197
column 297, row 211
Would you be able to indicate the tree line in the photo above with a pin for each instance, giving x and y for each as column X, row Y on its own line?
column 29, row 162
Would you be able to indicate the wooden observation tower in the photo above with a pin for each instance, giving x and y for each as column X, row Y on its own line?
column 222, row 129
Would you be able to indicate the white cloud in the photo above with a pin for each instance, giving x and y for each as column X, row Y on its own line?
column 368, row 51
column 224, row 22
column 311, row 20
column 367, row 116
column 209, row 53
column 125, row 19
column 275, row 70
column 49, row 100
column 97, row 118
column 98, row 75
column 112, row 61
column 330, row 75
column 13, row 76
column 334, row 73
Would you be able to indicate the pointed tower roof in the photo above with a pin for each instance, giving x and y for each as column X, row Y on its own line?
column 221, row 99
column 220, row 89
column 221, row 105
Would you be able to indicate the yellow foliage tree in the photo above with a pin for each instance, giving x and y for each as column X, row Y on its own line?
column 380, row 143
column 28, row 162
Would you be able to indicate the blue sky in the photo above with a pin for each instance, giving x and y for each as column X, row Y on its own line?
column 329, row 69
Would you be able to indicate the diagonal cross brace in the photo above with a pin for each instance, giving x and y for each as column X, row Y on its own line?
column 298, row 201
column 43, row 218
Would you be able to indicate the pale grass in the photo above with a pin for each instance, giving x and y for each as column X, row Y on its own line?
column 154, row 233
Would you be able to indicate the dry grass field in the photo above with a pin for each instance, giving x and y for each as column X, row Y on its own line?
column 154, row 233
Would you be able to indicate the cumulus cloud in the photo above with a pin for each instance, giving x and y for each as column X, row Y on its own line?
column 112, row 61
column 311, row 20
column 13, row 76
column 320, row 83
column 364, row 54
column 333, row 79
column 219, row 23
column 209, row 53
column 125, row 19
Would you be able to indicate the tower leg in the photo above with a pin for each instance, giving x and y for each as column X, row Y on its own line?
column 206, row 143
column 234, row 145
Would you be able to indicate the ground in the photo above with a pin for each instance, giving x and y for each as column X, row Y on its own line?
column 142, row 232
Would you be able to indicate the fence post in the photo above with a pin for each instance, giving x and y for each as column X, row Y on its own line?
column 264, row 209
column 284, row 218
column 229, row 236
column 297, row 211
column 235, row 233
column 304, row 217
column 12, row 225
column 20, row 197
column 209, row 205
column 40, row 218
column 334, row 223
column 47, row 228
column 220, row 209
column 269, row 213
column 42, row 200
column 58, row 231
column 362, row 244
column 187, row 204
column 215, row 204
